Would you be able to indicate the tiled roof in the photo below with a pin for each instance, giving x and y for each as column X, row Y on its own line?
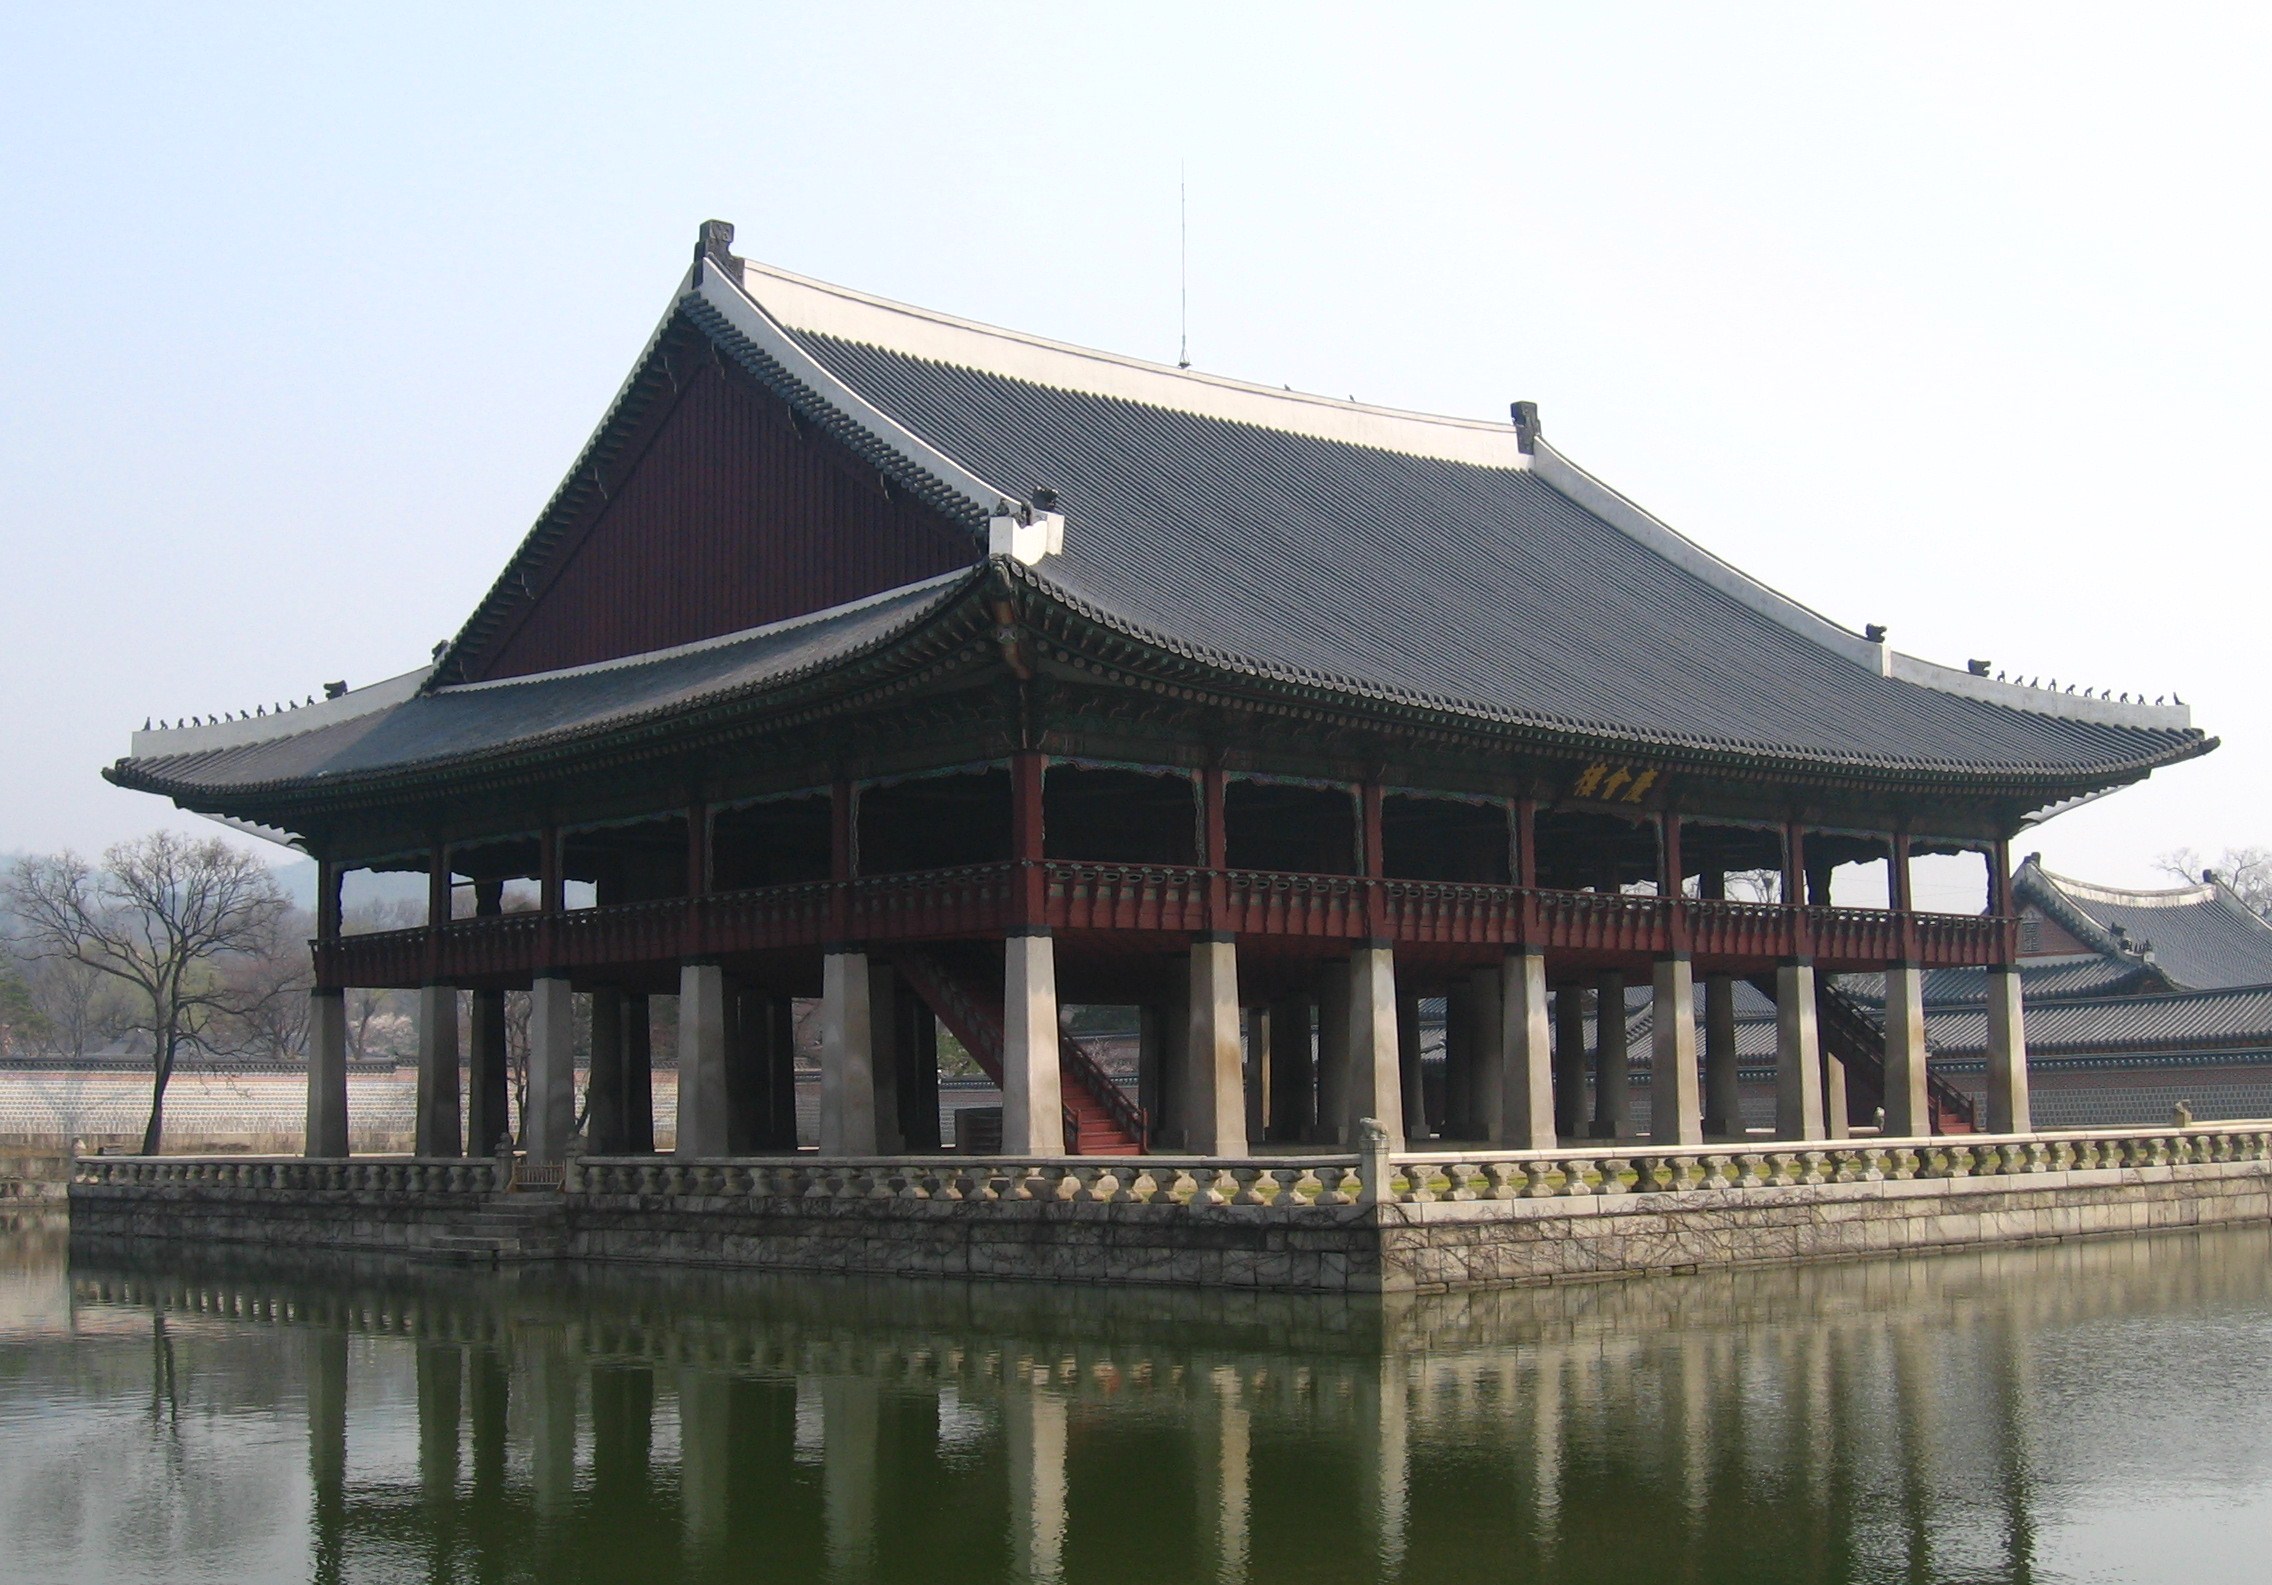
column 1447, row 565
column 479, row 718
column 2201, row 937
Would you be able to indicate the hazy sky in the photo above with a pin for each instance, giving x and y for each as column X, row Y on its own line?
column 1951, row 318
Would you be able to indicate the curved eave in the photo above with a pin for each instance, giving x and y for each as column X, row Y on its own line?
column 887, row 662
column 1555, row 734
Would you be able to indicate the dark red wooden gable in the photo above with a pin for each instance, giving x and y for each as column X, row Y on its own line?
column 735, row 513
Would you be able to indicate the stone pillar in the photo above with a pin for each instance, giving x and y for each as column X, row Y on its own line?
column 1375, row 1088
column 1033, row 1100
column 884, row 1058
column 489, row 1108
column 1218, row 1081
column 1152, row 1070
column 1487, row 1054
column 436, row 1132
column 1570, row 1062
column 327, row 1075
column 918, row 1048
column 705, row 1456
column 441, row 1398
column 549, row 1117
column 638, row 1076
column 1613, row 1093
column 1723, row 1093
column 326, row 1364
column 1837, row 1121
column 1257, row 1074
column 2008, row 1111
column 745, row 1066
column 1335, row 1120
column 603, row 1114
column 703, row 1112
column 850, row 1429
column 1226, row 1480
column 1034, row 1448
column 1293, row 1096
column 1798, row 1055
column 489, row 1391
column 1526, row 1080
column 1675, row 1114
column 551, row 1372
column 1908, row 1113
column 847, row 1072
column 1450, row 1118
column 781, row 1073
column 1176, row 1075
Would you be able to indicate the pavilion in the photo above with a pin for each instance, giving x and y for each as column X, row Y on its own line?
column 941, row 672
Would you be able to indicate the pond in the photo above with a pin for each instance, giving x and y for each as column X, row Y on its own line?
column 2099, row 1411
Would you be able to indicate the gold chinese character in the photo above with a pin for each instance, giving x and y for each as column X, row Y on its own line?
column 1590, row 780
column 1641, row 784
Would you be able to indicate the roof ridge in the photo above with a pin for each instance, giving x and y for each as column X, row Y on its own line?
column 806, row 306
column 2166, row 897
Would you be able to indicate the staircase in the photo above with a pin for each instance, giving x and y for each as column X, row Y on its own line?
column 1850, row 1034
column 517, row 1226
column 1100, row 1119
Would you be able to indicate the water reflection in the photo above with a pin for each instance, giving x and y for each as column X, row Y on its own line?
column 2090, row 1411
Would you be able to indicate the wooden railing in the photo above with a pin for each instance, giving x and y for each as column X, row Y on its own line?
column 978, row 901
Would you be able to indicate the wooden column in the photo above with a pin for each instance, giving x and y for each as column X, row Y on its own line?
column 841, row 835
column 1370, row 864
column 1669, row 881
column 1795, row 891
column 1214, row 845
column 1028, row 837
column 695, row 942
column 1525, row 816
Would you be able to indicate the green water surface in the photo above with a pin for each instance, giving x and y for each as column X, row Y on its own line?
column 2087, row 1412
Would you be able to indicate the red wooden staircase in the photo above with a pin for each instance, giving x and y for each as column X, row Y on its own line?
column 1100, row 1119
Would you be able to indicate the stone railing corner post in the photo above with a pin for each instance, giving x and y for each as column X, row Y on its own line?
column 1372, row 1162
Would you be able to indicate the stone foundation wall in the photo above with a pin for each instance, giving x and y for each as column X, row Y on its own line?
column 850, row 1221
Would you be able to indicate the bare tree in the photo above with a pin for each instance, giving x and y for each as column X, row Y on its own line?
column 162, row 916
column 21, row 1021
column 2246, row 870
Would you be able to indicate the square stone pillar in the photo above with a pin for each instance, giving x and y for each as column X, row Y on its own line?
column 549, row 1120
column 1908, row 1114
column 847, row 1059
column 1798, row 1055
column 638, row 1076
column 884, row 1061
column 1152, row 1070
column 603, row 1113
column 436, row 1132
column 1613, row 1089
column 1033, row 1100
column 1487, row 1054
column 488, row 1105
column 1218, row 1078
column 2008, row 1111
column 1335, row 1121
column 1257, row 1078
column 703, row 1105
column 1837, row 1120
column 1526, row 1073
column 1570, row 1062
column 1723, row 1088
column 327, row 1075
column 1676, row 1114
column 1293, row 1090
column 1408, row 1072
column 1376, row 1087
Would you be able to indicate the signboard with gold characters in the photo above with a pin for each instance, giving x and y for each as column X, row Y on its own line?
column 1604, row 782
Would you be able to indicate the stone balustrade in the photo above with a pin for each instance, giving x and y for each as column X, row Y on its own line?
column 1282, row 1182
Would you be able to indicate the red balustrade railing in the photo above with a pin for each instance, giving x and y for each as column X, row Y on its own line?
column 982, row 900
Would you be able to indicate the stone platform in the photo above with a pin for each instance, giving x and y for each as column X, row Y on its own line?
column 1372, row 1222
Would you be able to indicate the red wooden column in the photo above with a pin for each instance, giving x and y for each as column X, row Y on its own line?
column 1676, row 913
column 695, row 941
column 839, row 860
column 2000, row 901
column 1526, row 869
column 1371, row 860
column 1214, row 847
column 552, row 899
column 1795, row 889
column 327, row 923
column 1027, row 837
column 437, row 906
column 1899, row 894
